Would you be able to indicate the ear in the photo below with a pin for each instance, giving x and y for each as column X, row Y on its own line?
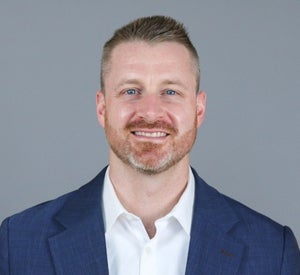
column 100, row 106
column 201, row 107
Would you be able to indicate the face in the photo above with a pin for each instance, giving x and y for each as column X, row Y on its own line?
column 150, row 109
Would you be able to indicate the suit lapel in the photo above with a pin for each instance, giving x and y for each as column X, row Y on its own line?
column 212, row 249
column 79, row 248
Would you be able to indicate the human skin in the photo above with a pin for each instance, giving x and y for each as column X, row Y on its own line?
column 150, row 110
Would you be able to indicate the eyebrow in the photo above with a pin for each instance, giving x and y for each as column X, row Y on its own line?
column 125, row 81
column 136, row 81
column 174, row 81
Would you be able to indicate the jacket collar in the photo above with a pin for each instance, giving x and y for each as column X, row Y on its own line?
column 80, row 247
column 212, row 249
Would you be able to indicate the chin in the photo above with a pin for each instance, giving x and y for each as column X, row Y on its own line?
column 152, row 167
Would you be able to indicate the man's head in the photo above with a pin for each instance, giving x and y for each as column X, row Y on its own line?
column 150, row 109
column 152, row 29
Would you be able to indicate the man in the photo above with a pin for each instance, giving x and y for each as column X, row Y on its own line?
column 148, row 212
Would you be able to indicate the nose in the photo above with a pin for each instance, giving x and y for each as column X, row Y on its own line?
column 150, row 107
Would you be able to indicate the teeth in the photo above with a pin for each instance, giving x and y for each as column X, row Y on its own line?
column 153, row 134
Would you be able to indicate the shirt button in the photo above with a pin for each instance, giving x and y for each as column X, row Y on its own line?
column 148, row 249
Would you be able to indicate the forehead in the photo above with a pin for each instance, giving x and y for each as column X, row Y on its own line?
column 157, row 59
column 169, row 51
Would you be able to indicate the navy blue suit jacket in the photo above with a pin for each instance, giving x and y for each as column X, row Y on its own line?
column 66, row 236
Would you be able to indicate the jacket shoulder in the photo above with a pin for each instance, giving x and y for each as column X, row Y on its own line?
column 251, row 218
column 43, row 213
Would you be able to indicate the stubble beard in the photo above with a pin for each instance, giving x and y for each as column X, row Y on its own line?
column 150, row 158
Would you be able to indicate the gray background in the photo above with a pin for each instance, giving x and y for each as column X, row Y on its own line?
column 248, row 147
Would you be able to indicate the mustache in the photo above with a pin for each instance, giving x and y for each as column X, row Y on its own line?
column 158, row 124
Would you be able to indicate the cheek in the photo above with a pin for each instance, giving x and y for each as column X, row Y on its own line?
column 118, row 115
column 185, row 118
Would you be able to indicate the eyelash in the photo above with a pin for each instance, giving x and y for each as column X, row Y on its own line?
column 127, row 91
column 172, row 92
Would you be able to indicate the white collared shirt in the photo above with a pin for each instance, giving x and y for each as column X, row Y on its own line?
column 130, row 251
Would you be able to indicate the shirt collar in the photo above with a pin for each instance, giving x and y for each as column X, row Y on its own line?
column 182, row 211
column 112, row 208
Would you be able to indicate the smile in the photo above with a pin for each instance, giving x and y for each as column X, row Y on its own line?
column 150, row 134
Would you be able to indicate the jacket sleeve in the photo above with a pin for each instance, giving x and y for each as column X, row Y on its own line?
column 4, row 265
column 291, row 254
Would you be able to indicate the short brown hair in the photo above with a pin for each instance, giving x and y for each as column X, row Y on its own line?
column 152, row 29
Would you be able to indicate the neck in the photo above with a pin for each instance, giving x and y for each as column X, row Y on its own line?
column 149, row 197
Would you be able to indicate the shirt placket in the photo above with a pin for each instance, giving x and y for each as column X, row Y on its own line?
column 147, row 261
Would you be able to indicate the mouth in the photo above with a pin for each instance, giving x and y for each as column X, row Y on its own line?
column 150, row 134
column 158, row 131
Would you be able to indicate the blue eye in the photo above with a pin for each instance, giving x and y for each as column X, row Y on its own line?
column 130, row 92
column 170, row 92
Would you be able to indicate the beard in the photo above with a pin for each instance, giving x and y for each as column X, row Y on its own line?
column 150, row 158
